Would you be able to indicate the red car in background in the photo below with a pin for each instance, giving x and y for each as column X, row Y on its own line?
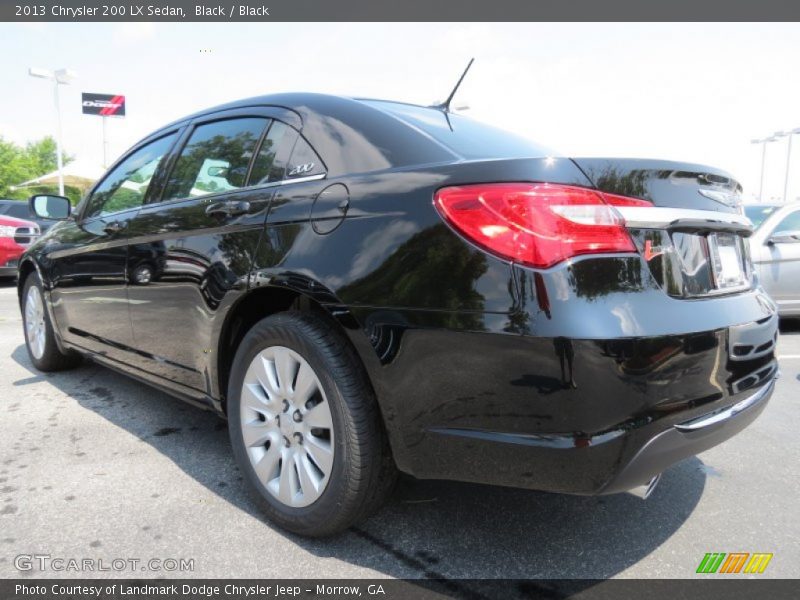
column 15, row 237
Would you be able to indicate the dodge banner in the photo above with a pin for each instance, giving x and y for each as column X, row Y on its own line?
column 103, row 105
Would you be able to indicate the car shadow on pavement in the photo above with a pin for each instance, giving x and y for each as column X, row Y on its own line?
column 428, row 529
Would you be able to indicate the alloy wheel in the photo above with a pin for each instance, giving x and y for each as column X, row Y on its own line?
column 34, row 321
column 287, row 426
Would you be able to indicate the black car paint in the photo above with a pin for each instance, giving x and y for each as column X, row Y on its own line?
column 484, row 371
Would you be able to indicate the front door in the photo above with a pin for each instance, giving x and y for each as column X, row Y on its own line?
column 89, row 256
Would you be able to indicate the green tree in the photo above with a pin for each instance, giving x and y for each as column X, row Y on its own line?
column 23, row 163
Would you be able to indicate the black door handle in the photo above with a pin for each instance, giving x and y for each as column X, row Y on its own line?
column 113, row 227
column 229, row 208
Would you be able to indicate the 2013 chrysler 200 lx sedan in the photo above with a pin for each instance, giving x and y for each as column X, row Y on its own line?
column 364, row 286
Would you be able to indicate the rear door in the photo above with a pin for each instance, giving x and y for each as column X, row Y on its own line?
column 88, row 256
column 193, row 246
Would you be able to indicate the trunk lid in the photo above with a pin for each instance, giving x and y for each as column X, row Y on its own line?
column 692, row 239
column 664, row 183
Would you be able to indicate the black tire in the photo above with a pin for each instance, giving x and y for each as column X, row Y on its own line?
column 52, row 359
column 363, row 471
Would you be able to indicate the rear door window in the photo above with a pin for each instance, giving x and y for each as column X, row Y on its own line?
column 216, row 158
column 272, row 157
column 304, row 161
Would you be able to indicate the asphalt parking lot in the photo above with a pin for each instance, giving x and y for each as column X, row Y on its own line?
column 95, row 465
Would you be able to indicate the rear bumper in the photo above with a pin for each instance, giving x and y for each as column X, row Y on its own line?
column 565, row 414
column 584, row 387
column 687, row 439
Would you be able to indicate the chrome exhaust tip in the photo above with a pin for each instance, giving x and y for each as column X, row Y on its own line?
column 644, row 491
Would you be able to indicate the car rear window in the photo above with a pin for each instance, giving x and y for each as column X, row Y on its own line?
column 465, row 137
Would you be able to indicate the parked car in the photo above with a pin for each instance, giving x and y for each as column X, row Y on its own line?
column 775, row 250
column 757, row 213
column 381, row 286
column 16, row 235
column 22, row 210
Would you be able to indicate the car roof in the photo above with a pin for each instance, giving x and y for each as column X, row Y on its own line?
column 350, row 135
column 358, row 135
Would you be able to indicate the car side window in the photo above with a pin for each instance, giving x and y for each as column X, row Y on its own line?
column 790, row 222
column 126, row 185
column 304, row 161
column 215, row 159
column 272, row 157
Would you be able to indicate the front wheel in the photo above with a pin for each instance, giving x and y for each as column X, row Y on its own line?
column 304, row 426
column 40, row 338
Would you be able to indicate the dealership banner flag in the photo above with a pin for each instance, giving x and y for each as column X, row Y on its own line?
column 103, row 105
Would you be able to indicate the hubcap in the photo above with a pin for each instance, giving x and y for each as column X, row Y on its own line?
column 34, row 321
column 143, row 275
column 287, row 426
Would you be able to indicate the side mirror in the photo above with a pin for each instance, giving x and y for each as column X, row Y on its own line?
column 784, row 237
column 55, row 208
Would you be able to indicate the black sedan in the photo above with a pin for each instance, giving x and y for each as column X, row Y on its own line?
column 363, row 286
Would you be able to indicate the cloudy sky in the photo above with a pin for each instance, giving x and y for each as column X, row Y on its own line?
column 695, row 92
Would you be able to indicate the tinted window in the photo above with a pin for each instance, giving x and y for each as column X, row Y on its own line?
column 462, row 135
column 757, row 213
column 126, row 185
column 790, row 222
column 19, row 210
column 270, row 163
column 215, row 159
column 304, row 161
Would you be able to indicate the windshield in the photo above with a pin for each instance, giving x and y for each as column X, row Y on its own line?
column 758, row 212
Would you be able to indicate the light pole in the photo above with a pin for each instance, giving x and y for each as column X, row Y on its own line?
column 58, row 77
column 788, row 134
column 763, row 142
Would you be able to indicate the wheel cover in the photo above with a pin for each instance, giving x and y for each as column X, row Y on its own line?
column 143, row 275
column 287, row 426
column 34, row 322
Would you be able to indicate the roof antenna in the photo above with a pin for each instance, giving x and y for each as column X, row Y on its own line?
column 445, row 106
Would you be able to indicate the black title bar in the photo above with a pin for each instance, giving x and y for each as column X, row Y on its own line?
column 407, row 10
column 395, row 589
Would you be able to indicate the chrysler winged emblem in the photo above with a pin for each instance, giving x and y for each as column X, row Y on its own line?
column 727, row 198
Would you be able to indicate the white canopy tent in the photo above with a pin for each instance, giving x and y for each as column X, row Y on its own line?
column 77, row 174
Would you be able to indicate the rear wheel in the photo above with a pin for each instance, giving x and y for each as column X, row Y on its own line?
column 40, row 338
column 304, row 426
column 143, row 274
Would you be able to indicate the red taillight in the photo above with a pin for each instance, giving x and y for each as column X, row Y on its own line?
column 537, row 224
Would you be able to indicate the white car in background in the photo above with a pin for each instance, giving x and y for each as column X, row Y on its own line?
column 775, row 250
